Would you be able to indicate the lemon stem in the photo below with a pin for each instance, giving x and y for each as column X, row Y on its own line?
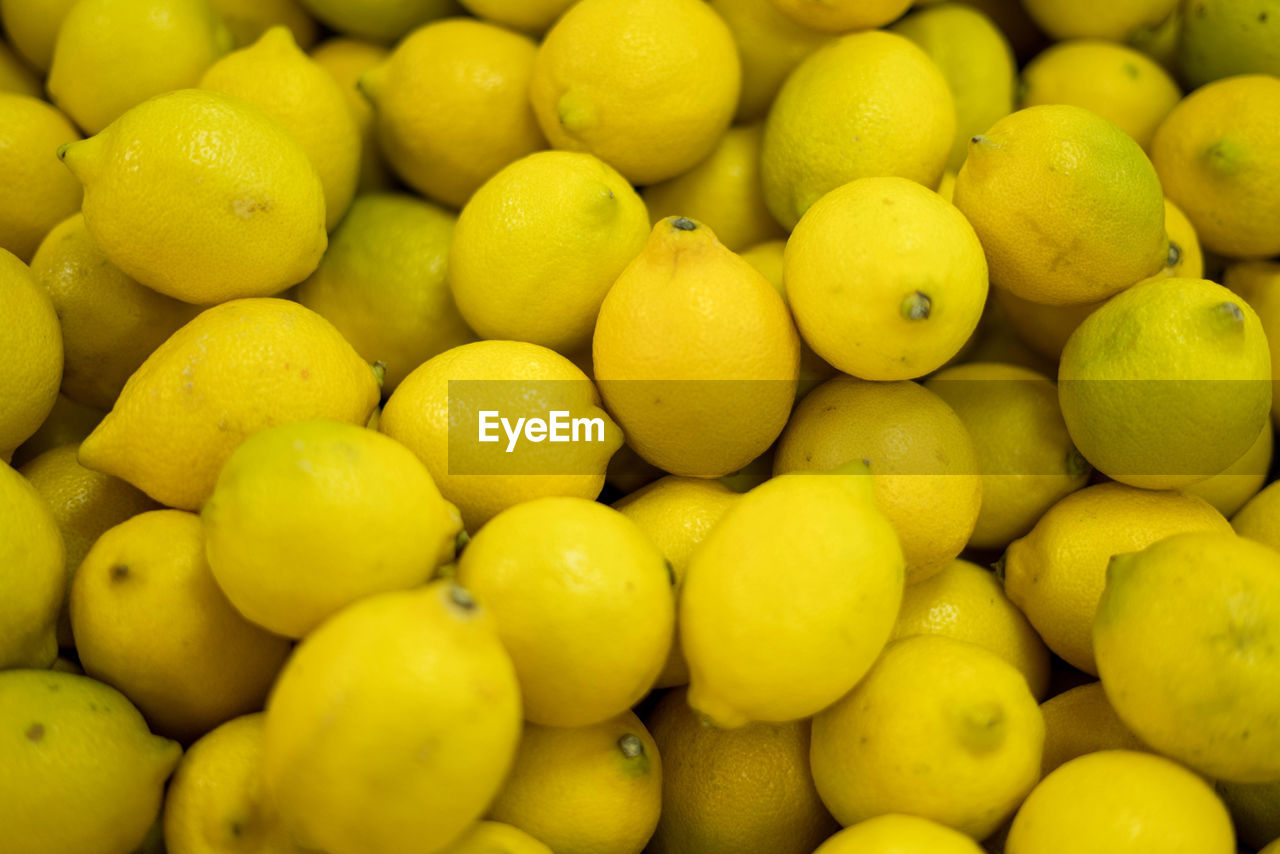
column 631, row 746
column 917, row 306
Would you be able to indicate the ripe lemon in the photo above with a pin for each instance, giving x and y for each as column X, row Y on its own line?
column 939, row 728
column 842, row 16
column 15, row 75
column 1081, row 721
column 435, row 414
column 379, row 20
column 310, row 516
column 245, row 218
column 30, row 354
column 1230, row 490
column 583, row 602
column 1255, row 809
column 32, row 27
column 110, row 323
column 111, row 55
column 924, row 467
column 1186, row 259
column 1259, row 519
column 494, row 837
column 899, row 834
column 275, row 76
column 1220, row 39
column 68, row 423
column 770, row 44
column 531, row 16
column 811, row 544
column 235, row 369
column 1121, row 801
column 84, row 774
column 867, row 105
column 689, row 340
column 585, row 790
column 1258, row 283
column 899, row 300
column 1066, row 204
column 451, row 106
column 33, row 575
column 1104, row 19
column 1167, row 351
column 382, row 283
column 1056, row 573
column 739, row 791
column 648, row 86
column 249, row 19
column 1217, row 155
column 393, row 725
column 540, row 244
column 38, row 193
column 1185, row 637
column 347, row 60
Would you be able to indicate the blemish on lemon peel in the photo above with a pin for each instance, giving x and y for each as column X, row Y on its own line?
column 684, row 224
column 1224, row 157
column 917, row 306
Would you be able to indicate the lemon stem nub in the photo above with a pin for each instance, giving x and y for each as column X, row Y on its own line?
column 631, row 746
column 1231, row 310
column 1174, row 256
column 684, row 224
column 380, row 372
column 917, row 306
column 462, row 597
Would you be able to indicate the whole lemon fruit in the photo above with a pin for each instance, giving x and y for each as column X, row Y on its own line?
column 1104, row 19
column 770, row 44
column 899, row 834
column 1081, row 721
column 38, row 193
column 30, row 354
column 841, row 16
column 33, row 575
column 379, row 20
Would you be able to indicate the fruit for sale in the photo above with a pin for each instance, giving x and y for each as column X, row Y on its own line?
column 38, row 193
column 30, row 354
column 1081, row 721
column 1114, row 20
column 347, row 60
column 531, row 16
column 770, row 44
column 32, row 575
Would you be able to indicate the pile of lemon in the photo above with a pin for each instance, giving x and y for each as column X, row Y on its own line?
column 924, row 357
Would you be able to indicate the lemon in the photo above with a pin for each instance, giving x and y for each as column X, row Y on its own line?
column 435, row 412
column 68, row 423
column 539, row 245
column 739, row 791
column 723, row 191
column 15, row 75
column 1027, row 460
column 235, row 369
column 275, row 75
column 110, row 323
column 977, row 61
column 84, row 773
column 841, row 16
column 648, row 86
column 30, row 354
column 1258, row 283
column 382, row 283
column 1240, row 481
column 494, row 837
column 676, row 513
column 902, row 298
column 689, row 338
column 866, row 105
column 32, row 574
column 1186, row 259
column 1112, row 80
column 215, row 803
column 1066, row 204
column 1056, row 573
column 899, row 834
column 38, row 193
column 811, row 544
column 583, row 602
column 451, row 106
column 1259, row 519
column 245, row 218
column 1221, row 39
column 924, row 467
column 1114, row 20
column 1081, row 721
column 770, row 44
column 249, row 19
column 532, row 16
column 1216, row 153
column 85, row 504
column 111, row 55
column 1121, row 801
column 965, row 602
column 379, row 20
column 347, row 60
column 32, row 27
column 1166, row 351
column 939, row 728
column 393, row 725
column 1185, row 637
column 1255, row 809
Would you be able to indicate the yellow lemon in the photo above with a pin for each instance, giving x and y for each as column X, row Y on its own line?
column 1067, row 205
column 68, row 423
column 347, row 60
column 1186, row 259
column 451, row 106
column 899, row 834
column 111, row 55
column 15, row 75
column 1217, row 155
column 435, row 413
column 539, row 245
column 1258, row 283
column 110, row 323
column 249, row 19
column 1230, row 490
column 648, row 86
column 1081, row 721
column 393, row 725
column 924, row 466
column 30, row 354
column 1255, row 809
column 1056, row 573
column 1167, row 351
column 1220, row 39
column 1259, row 519
column 382, row 283
column 1187, row 648
column 811, row 544
column 1112, row 80
column 32, row 574
column 1026, row 458
column 494, row 837
column 32, row 27
column 689, row 340
column 770, row 44
column 842, row 16
column 886, row 280
column 939, row 728
column 308, row 517
column 738, row 791
column 380, row 20
column 84, row 774
column 1121, row 801
column 532, row 16
column 1115, row 20
column 866, row 105
column 244, row 218
column 275, row 76
column 977, row 61
column 38, row 194
column 235, row 369
column 676, row 513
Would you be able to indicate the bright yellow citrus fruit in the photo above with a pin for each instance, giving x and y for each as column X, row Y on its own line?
column 1114, row 20
column 531, row 16
column 33, row 574
column 347, row 60
column 494, row 837
column 770, row 44
column 32, row 27
column 30, row 354
column 899, row 834
column 842, row 16
column 38, row 193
